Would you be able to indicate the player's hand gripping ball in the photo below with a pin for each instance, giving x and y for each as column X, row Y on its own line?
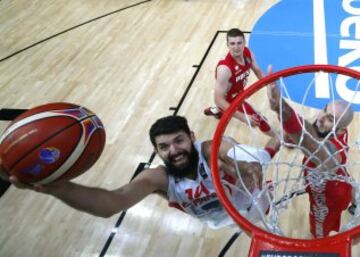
column 51, row 142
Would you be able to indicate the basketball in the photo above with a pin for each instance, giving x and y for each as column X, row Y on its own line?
column 51, row 142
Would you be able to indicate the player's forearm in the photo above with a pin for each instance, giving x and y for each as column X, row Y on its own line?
column 242, row 117
column 258, row 73
column 285, row 110
column 326, row 157
column 278, row 103
column 96, row 201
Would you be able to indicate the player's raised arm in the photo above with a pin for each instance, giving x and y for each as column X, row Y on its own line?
column 255, row 67
column 102, row 202
column 250, row 170
column 301, row 131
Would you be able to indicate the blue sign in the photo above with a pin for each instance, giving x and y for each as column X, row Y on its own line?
column 301, row 32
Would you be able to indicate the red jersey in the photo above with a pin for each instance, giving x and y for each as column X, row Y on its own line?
column 237, row 81
column 328, row 198
column 239, row 73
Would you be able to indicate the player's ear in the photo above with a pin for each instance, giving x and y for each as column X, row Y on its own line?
column 155, row 148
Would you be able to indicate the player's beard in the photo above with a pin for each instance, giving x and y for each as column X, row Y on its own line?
column 318, row 132
column 188, row 169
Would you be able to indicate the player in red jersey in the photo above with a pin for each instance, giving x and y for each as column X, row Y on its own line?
column 325, row 152
column 231, row 77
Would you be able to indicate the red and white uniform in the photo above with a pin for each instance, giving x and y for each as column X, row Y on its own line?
column 328, row 198
column 239, row 73
column 238, row 80
column 198, row 197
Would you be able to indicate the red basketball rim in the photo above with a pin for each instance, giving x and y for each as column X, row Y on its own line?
column 252, row 230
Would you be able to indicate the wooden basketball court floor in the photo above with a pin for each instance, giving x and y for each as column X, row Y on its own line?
column 131, row 62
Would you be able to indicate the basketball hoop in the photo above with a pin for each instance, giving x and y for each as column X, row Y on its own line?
column 268, row 240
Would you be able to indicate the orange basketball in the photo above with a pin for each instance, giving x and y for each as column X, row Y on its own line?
column 56, row 141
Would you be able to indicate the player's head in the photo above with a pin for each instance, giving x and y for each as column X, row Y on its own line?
column 336, row 115
column 174, row 143
column 235, row 40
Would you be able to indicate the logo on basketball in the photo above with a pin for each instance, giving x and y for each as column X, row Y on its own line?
column 323, row 32
column 33, row 170
column 67, row 135
column 49, row 155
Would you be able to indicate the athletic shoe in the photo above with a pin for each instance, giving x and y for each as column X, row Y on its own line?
column 213, row 111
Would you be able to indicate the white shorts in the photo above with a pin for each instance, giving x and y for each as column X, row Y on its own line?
column 247, row 153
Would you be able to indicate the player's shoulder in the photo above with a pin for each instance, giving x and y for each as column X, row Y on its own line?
column 158, row 171
column 223, row 71
column 222, row 62
column 206, row 147
column 227, row 60
column 247, row 50
column 248, row 54
column 226, row 144
column 156, row 176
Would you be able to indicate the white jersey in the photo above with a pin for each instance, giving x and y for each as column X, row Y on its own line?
column 198, row 197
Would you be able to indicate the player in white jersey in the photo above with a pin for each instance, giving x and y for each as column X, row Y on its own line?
column 198, row 198
column 185, row 179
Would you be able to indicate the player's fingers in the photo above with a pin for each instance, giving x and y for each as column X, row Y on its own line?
column 270, row 91
column 17, row 183
column 4, row 176
column 40, row 188
column 3, row 173
column 269, row 69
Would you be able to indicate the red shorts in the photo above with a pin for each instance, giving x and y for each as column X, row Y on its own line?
column 337, row 197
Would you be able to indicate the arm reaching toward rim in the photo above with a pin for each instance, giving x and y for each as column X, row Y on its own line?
column 255, row 67
column 294, row 126
column 99, row 201
column 251, row 172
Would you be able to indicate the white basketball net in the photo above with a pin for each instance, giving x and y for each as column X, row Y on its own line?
column 289, row 204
